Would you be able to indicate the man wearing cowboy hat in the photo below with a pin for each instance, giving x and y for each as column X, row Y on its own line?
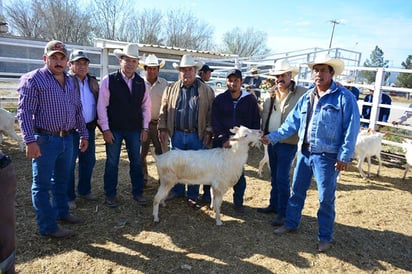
column 123, row 109
column 157, row 85
column 326, row 119
column 275, row 110
column 185, row 116
column 253, row 81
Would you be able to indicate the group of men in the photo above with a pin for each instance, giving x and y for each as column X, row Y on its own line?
column 58, row 113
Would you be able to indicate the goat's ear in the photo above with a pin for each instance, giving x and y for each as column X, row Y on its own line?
column 234, row 129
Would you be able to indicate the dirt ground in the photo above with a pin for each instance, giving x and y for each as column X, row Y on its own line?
column 373, row 230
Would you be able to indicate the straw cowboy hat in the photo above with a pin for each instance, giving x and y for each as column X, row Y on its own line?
column 325, row 59
column 187, row 61
column 151, row 61
column 283, row 66
column 254, row 70
column 130, row 50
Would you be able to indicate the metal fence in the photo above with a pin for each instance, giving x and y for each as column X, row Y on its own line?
column 19, row 56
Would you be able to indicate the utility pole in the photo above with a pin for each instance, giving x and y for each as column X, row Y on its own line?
column 334, row 22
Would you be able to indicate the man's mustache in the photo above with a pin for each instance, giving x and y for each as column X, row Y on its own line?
column 58, row 66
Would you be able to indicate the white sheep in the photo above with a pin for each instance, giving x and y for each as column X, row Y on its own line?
column 7, row 127
column 407, row 146
column 368, row 144
column 219, row 167
column 265, row 160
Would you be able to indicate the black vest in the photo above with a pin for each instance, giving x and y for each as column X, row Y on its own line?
column 125, row 108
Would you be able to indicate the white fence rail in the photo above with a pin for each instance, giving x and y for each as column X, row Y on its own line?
column 12, row 67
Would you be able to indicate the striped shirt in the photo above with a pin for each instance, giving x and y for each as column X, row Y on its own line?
column 44, row 104
column 187, row 107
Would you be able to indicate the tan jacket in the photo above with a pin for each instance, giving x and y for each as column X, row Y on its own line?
column 295, row 92
column 169, row 102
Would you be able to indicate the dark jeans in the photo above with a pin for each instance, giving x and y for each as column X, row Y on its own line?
column 87, row 160
column 132, row 140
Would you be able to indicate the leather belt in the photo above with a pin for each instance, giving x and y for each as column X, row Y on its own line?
column 62, row 133
column 187, row 130
column 305, row 146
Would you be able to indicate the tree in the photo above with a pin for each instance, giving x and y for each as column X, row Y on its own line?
column 22, row 19
column 248, row 43
column 147, row 28
column 111, row 19
column 49, row 20
column 183, row 30
column 376, row 61
column 405, row 79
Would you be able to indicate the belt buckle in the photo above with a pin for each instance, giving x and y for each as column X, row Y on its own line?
column 62, row 133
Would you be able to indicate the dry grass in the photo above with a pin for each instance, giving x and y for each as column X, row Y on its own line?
column 373, row 231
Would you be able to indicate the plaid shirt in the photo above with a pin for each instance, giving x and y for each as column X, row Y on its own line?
column 44, row 104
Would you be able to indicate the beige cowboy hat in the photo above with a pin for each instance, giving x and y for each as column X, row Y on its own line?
column 325, row 59
column 151, row 61
column 283, row 66
column 187, row 61
column 254, row 70
column 130, row 50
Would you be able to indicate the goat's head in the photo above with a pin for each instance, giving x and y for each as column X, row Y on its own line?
column 242, row 133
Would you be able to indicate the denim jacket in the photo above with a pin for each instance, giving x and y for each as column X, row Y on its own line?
column 335, row 123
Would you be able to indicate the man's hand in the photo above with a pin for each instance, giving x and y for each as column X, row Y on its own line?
column 84, row 144
column 265, row 140
column 108, row 136
column 33, row 150
column 340, row 166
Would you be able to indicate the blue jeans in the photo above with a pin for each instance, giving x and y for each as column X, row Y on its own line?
column 51, row 174
column 280, row 161
column 87, row 160
column 132, row 140
column 322, row 166
column 186, row 141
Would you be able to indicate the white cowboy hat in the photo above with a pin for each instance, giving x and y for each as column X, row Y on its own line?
column 187, row 61
column 130, row 50
column 254, row 70
column 151, row 61
column 325, row 59
column 283, row 66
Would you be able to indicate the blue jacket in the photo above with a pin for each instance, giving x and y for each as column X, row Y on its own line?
column 225, row 116
column 335, row 123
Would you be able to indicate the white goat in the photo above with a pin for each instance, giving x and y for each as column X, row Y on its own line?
column 265, row 160
column 219, row 167
column 407, row 146
column 368, row 144
column 7, row 127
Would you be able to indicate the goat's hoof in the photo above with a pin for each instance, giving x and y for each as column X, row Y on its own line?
column 219, row 223
column 156, row 220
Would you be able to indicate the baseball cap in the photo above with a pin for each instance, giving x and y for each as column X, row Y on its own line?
column 235, row 72
column 205, row 68
column 78, row 54
column 55, row 46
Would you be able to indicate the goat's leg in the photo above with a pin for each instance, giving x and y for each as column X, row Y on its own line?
column 262, row 162
column 159, row 198
column 217, row 202
column 360, row 162
column 369, row 166
column 406, row 171
column 380, row 164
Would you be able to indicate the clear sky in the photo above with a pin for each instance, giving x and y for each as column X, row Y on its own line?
column 302, row 24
